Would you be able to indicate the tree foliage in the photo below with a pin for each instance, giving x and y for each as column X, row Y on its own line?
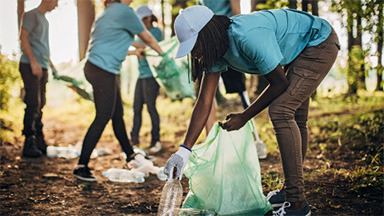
column 9, row 77
column 362, row 16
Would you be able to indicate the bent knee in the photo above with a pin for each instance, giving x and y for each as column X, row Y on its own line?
column 280, row 111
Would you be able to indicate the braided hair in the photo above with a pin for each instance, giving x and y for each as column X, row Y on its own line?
column 213, row 41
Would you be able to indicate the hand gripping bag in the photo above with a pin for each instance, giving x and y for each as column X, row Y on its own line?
column 171, row 74
column 224, row 174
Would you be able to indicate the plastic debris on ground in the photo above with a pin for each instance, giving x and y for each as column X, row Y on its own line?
column 124, row 175
column 71, row 151
column 62, row 152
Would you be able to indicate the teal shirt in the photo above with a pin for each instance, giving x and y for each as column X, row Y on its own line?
column 144, row 69
column 219, row 7
column 259, row 41
column 113, row 33
column 38, row 27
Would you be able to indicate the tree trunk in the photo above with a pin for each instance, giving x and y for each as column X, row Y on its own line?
column 292, row 4
column 304, row 5
column 254, row 4
column 162, row 13
column 86, row 16
column 380, row 44
column 352, row 86
column 20, row 12
column 182, row 4
column 359, row 41
column 315, row 8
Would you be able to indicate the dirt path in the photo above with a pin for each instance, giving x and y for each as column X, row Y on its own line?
column 45, row 186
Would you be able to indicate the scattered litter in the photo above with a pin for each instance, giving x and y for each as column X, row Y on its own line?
column 124, row 175
column 62, row 152
column 50, row 175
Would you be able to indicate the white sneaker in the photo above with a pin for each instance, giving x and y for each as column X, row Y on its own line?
column 155, row 148
column 261, row 149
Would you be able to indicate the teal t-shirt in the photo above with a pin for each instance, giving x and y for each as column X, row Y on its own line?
column 259, row 41
column 114, row 31
column 38, row 27
column 219, row 7
column 144, row 69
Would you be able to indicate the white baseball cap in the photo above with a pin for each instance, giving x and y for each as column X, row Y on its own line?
column 188, row 25
column 143, row 11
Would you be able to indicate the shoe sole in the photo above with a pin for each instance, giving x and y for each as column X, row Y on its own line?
column 262, row 157
column 84, row 179
column 277, row 205
column 31, row 156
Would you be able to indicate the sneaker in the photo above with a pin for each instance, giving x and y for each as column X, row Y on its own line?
column 84, row 173
column 261, row 149
column 155, row 148
column 30, row 149
column 283, row 211
column 276, row 198
column 41, row 144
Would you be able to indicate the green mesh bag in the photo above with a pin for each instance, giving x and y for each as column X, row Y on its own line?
column 74, row 78
column 171, row 74
column 224, row 174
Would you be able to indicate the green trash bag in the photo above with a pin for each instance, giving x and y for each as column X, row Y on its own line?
column 74, row 78
column 171, row 74
column 224, row 174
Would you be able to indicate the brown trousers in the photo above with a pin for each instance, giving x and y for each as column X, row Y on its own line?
column 289, row 112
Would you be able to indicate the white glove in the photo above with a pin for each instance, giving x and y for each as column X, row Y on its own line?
column 177, row 161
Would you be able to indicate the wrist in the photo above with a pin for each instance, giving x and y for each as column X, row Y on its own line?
column 245, row 117
column 185, row 146
column 184, row 152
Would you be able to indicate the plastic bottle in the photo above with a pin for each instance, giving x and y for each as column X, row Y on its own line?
column 62, row 152
column 141, row 164
column 100, row 152
column 124, row 175
column 160, row 174
column 171, row 197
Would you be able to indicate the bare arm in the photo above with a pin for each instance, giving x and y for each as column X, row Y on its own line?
column 235, row 6
column 138, row 45
column 202, row 107
column 27, row 50
column 147, row 37
column 278, row 83
column 54, row 71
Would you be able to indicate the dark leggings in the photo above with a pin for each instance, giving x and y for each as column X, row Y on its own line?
column 108, row 104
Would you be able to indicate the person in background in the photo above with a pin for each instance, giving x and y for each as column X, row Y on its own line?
column 112, row 34
column 260, row 43
column 34, row 64
column 234, row 81
column 147, row 89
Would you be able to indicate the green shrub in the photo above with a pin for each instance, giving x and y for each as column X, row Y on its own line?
column 9, row 77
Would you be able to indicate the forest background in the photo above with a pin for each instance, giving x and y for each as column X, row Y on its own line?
column 345, row 161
